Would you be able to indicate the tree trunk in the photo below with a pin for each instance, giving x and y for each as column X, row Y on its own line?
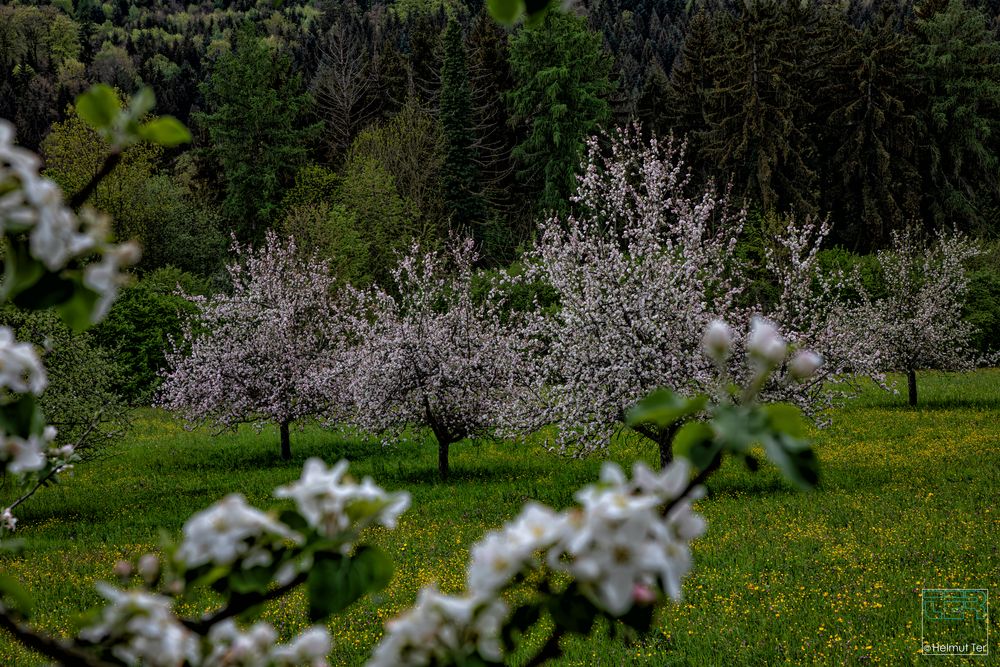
column 443, row 459
column 666, row 454
column 665, row 441
column 911, row 383
column 286, row 444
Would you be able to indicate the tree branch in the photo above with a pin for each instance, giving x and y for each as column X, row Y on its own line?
column 62, row 652
column 239, row 604
column 110, row 162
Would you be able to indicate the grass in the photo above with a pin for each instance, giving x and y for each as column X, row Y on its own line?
column 907, row 501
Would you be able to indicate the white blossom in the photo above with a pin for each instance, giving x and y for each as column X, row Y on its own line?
column 324, row 497
column 804, row 365
column 21, row 370
column 441, row 628
column 227, row 531
column 142, row 630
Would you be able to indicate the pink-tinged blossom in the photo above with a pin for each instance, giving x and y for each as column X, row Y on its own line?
column 642, row 268
column 645, row 271
column 268, row 351
column 918, row 323
column 429, row 354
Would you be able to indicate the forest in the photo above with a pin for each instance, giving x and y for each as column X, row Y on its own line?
column 670, row 328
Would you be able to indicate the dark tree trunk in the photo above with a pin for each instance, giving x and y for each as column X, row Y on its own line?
column 665, row 442
column 443, row 459
column 911, row 384
column 286, row 443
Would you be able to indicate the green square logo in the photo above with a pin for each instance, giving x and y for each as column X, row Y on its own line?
column 955, row 621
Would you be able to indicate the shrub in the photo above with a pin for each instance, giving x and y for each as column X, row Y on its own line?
column 139, row 327
column 80, row 399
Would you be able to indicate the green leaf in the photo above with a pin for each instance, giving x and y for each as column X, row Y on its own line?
column 14, row 596
column 23, row 417
column 21, row 270
column 49, row 290
column 99, row 106
column 786, row 418
column 794, row 458
column 165, row 131
column 142, row 102
column 78, row 312
column 506, row 11
column 695, row 441
column 663, row 407
column 335, row 582
column 573, row 611
column 294, row 520
column 254, row 580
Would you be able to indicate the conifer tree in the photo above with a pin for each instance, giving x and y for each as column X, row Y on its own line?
column 561, row 73
column 459, row 173
column 958, row 60
column 258, row 127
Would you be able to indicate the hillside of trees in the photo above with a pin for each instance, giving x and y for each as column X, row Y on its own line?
column 360, row 126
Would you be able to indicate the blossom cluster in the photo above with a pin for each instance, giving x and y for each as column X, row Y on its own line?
column 140, row 628
column 430, row 354
column 263, row 352
column 45, row 235
column 57, row 235
column 619, row 547
column 330, row 502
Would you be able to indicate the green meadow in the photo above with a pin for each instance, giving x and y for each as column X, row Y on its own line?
column 907, row 501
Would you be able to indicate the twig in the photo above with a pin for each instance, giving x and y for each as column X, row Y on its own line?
column 55, row 471
column 62, row 652
column 110, row 162
column 240, row 604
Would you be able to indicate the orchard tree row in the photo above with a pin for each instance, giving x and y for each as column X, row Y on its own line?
column 616, row 300
column 370, row 125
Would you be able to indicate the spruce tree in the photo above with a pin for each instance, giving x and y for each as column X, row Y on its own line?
column 560, row 98
column 257, row 124
column 958, row 59
column 459, row 173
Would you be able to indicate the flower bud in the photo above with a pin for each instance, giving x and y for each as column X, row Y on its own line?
column 718, row 340
column 804, row 365
column 149, row 568
column 123, row 569
column 643, row 594
column 765, row 343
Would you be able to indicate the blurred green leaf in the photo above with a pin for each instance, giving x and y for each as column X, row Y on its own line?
column 695, row 441
column 78, row 311
column 664, row 407
column 99, row 106
column 335, row 582
column 23, row 417
column 506, row 11
column 254, row 580
column 14, row 596
column 165, row 131
column 786, row 418
column 142, row 102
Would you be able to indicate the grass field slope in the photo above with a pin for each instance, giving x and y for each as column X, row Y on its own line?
column 907, row 501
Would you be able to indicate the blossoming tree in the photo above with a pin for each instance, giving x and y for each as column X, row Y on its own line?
column 253, row 355
column 918, row 324
column 615, row 557
column 639, row 271
column 429, row 355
